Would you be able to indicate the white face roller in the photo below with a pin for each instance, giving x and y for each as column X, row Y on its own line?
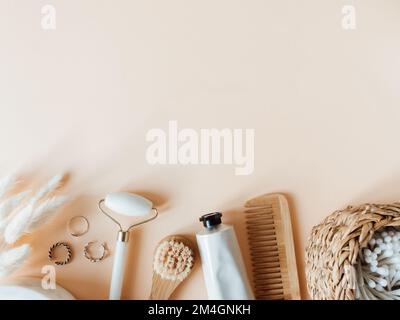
column 127, row 204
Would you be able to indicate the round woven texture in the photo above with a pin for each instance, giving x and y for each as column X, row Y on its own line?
column 334, row 245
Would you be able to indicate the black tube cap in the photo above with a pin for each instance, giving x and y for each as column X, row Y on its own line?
column 211, row 220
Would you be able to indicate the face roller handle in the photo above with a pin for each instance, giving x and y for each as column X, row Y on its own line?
column 121, row 250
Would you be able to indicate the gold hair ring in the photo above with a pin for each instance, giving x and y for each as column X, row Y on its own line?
column 88, row 255
column 83, row 223
column 68, row 253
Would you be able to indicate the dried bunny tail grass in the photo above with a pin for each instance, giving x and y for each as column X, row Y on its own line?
column 30, row 218
column 8, row 205
column 48, row 188
column 173, row 260
column 12, row 259
column 6, row 184
column 19, row 224
column 46, row 211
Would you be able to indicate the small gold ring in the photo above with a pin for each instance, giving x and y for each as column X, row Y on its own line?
column 75, row 233
column 68, row 250
column 89, row 256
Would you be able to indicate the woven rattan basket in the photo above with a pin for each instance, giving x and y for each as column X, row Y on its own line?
column 334, row 245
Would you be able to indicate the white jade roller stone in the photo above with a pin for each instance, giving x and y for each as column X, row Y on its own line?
column 128, row 204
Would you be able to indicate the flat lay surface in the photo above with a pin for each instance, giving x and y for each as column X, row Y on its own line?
column 323, row 102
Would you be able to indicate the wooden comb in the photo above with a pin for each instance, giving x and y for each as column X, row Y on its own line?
column 273, row 259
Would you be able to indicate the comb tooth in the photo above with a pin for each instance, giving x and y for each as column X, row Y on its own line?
column 273, row 289
column 259, row 208
column 259, row 228
column 269, row 265
column 266, row 238
column 256, row 244
column 253, row 220
column 270, row 275
column 269, row 282
column 254, row 241
column 271, row 297
column 260, row 218
column 260, row 222
column 259, row 211
column 273, row 251
column 254, row 213
column 264, row 247
column 270, row 289
column 275, row 269
column 261, row 260
column 266, row 231
column 266, row 254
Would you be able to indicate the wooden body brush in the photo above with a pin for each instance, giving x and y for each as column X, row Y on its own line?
column 173, row 262
column 269, row 231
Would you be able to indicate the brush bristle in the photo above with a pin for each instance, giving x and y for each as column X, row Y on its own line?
column 173, row 260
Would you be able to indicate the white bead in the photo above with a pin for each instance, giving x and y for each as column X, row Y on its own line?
column 384, row 234
column 374, row 256
column 382, row 282
column 379, row 288
column 388, row 239
column 373, row 268
column 379, row 241
column 391, row 233
column 367, row 259
column 371, row 283
column 389, row 253
column 372, row 242
column 380, row 271
column 377, row 250
column 367, row 252
column 383, row 246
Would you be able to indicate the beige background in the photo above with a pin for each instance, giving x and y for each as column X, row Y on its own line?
column 324, row 103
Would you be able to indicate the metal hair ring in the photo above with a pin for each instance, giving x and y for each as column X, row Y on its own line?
column 68, row 253
column 79, row 233
column 89, row 256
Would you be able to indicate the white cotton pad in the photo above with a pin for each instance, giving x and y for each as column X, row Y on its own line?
column 128, row 204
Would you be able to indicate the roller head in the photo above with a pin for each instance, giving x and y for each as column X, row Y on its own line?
column 128, row 204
